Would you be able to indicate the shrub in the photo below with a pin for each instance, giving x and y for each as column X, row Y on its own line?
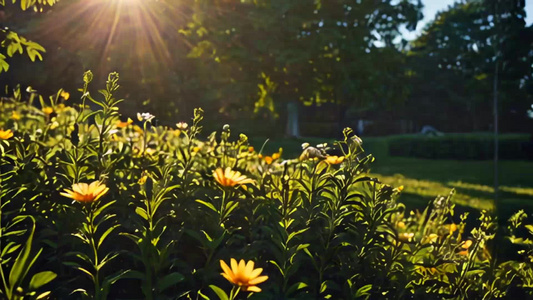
column 477, row 146
column 95, row 207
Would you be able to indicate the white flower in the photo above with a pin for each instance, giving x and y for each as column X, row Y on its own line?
column 145, row 116
column 182, row 125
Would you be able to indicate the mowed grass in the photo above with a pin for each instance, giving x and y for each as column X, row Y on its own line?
column 425, row 179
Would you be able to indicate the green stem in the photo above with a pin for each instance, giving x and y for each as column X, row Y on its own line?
column 92, row 233
column 234, row 292
column 222, row 207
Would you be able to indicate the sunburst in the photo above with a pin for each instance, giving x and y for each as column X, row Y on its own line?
column 117, row 34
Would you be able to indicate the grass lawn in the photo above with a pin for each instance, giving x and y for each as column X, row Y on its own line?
column 424, row 179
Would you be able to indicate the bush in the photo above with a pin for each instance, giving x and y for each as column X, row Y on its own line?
column 95, row 207
column 478, row 146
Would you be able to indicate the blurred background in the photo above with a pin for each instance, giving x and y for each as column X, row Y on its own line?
column 419, row 80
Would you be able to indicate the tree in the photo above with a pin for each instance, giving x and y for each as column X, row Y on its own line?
column 12, row 43
column 308, row 51
column 453, row 65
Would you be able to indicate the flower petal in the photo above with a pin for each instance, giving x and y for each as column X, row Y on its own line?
column 258, row 280
column 256, row 273
column 254, row 289
column 248, row 270
column 225, row 268
column 234, row 266
column 228, row 278
column 242, row 267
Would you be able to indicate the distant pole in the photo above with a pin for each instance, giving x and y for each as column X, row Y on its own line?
column 495, row 100
column 496, row 146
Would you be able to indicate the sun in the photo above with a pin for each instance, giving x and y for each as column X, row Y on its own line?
column 116, row 31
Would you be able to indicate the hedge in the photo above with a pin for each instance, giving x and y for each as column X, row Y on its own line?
column 475, row 146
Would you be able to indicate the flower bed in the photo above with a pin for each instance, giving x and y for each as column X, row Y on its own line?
column 94, row 206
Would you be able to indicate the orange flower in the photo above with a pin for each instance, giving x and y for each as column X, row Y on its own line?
column 121, row 124
column 229, row 177
column 250, row 149
column 243, row 275
column 334, row 160
column 86, row 193
column 464, row 247
column 268, row 159
column 5, row 134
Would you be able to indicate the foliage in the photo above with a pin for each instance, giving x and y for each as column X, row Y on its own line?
column 168, row 206
column 13, row 43
column 460, row 57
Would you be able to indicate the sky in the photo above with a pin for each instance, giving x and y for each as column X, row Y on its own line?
column 431, row 7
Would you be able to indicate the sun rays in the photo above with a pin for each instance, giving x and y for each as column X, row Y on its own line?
column 122, row 33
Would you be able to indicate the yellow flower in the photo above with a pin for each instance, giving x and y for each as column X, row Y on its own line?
column 86, row 193
column 143, row 179
column 406, row 237
column 229, row 177
column 243, row 275
column 48, row 110
column 15, row 115
column 430, row 239
column 121, row 124
column 453, row 228
column 447, row 229
column 400, row 225
column 65, row 95
column 334, row 160
column 5, row 134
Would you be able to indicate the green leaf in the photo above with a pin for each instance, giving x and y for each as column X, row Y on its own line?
column 102, row 208
column 41, row 279
column 530, row 228
column 32, row 53
column 110, row 280
column 169, row 280
column 4, row 66
column 106, row 233
column 363, row 291
column 22, row 263
column 220, row 293
column 296, row 287
column 141, row 212
column 208, row 205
